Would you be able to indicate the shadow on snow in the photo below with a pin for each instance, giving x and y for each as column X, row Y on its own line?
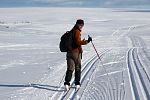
column 38, row 86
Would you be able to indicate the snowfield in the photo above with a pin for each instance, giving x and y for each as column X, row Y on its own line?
column 33, row 68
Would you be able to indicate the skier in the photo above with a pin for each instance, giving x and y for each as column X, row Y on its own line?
column 74, row 56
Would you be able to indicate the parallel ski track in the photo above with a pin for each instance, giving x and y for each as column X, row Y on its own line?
column 142, row 44
column 142, row 74
column 138, row 85
column 87, row 69
column 60, row 96
column 110, row 89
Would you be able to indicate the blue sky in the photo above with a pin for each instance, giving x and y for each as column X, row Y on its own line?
column 74, row 3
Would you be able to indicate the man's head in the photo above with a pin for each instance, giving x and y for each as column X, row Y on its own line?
column 80, row 23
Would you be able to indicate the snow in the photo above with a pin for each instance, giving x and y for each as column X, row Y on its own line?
column 33, row 68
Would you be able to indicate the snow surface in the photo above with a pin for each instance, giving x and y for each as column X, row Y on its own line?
column 33, row 68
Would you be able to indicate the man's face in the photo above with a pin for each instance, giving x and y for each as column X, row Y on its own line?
column 80, row 26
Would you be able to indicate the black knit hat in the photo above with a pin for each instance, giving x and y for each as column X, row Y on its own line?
column 80, row 21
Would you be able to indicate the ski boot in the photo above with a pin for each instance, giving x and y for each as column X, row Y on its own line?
column 67, row 87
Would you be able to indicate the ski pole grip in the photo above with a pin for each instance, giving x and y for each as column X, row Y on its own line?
column 89, row 37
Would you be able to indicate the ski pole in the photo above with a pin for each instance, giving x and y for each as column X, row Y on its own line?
column 99, row 58
column 95, row 50
column 101, row 62
column 102, row 66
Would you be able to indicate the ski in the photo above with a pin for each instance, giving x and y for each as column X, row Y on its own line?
column 71, row 88
column 65, row 93
column 67, row 88
column 77, row 88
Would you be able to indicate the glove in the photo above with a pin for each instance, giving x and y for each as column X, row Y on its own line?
column 89, row 39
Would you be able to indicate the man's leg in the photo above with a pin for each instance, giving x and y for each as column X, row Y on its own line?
column 78, row 70
column 70, row 69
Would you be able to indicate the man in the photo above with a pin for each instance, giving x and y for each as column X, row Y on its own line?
column 74, row 56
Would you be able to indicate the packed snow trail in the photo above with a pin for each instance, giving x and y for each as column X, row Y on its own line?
column 86, row 71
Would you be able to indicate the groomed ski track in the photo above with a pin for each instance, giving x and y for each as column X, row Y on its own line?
column 138, row 78
column 86, row 71
column 137, row 75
